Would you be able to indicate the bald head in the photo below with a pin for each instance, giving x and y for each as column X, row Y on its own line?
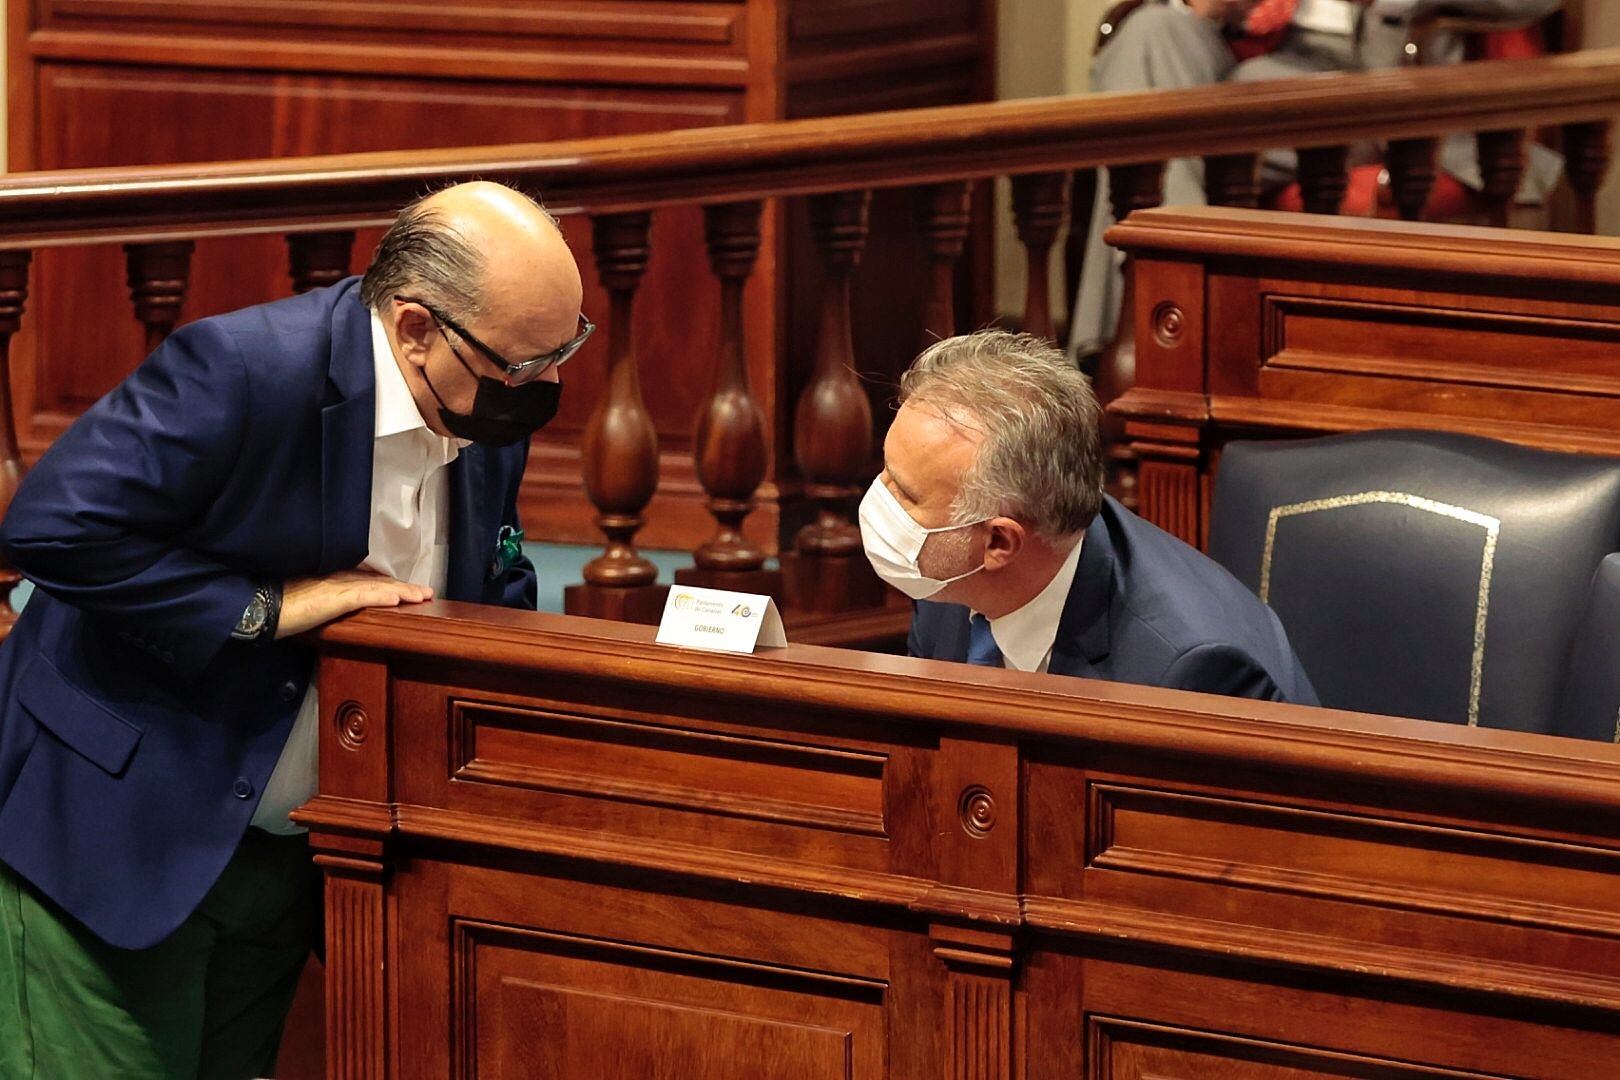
column 477, row 251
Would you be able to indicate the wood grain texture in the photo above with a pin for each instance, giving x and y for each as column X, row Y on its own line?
column 610, row 855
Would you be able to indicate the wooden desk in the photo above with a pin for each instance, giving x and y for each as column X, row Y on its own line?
column 554, row 849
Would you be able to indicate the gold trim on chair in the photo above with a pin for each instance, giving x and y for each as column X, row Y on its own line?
column 1492, row 527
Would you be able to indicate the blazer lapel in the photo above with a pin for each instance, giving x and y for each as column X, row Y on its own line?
column 347, row 427
column 1084, row 635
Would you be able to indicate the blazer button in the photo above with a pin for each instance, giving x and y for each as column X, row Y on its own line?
column 242, row 788
column 289, row 690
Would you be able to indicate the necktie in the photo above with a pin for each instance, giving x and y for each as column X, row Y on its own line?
column 982, row 648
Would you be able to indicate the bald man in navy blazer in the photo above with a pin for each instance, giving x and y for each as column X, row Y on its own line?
column 262, row 473
column 990, row 513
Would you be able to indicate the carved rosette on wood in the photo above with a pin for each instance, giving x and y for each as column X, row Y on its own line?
column 158, row 276
column 13, row 297
column 318, row 259
column 1040, row 204
column 729, row 444
column 620, row 447
column 832, row 431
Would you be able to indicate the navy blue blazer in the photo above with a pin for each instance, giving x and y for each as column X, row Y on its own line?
column 136, row 736
column 1146, row 608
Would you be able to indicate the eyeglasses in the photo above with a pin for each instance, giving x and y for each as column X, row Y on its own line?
column 516, row 374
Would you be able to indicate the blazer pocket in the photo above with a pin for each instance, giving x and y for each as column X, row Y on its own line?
column 73, row 716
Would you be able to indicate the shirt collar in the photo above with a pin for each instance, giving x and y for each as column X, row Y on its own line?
column 396, row 408
column 1025, row 636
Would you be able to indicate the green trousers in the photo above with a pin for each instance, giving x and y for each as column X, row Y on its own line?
column 208, row 1001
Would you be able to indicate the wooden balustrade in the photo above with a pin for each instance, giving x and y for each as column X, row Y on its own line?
column 621, row 444
column 1040, row 204
column 158, row 276
column 730, row 442
column 742, row 448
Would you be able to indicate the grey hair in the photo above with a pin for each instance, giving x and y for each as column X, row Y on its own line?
column 423, row 255
column 1041, row 458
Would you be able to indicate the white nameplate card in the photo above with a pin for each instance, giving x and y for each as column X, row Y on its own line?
column 723, row 621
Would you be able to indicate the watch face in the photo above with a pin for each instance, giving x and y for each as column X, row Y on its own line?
column 254, row 618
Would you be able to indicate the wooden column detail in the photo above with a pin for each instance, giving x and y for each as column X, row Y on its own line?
column 1324, row 177
column 832, row 430
column 318, row 259
column 1411, row 165
column 13, row 297
column 1040, row 204
column 730, row 443
column 1130, row 187
column 944, row 215
column 1501, row 167
column 1170, row 493
column 158, row 276
column 979, row 1001
column 1233, row 180
column 356, row 1001
column 1588, row 148
column 620, row 447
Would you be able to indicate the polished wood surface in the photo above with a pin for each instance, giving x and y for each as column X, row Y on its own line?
column 555, row 849
column 1252, row 324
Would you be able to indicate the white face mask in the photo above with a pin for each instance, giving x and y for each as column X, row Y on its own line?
column 893, row 541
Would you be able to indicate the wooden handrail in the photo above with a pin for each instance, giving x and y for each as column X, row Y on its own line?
column 890, row 149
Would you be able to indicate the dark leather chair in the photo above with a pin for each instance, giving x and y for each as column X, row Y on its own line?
column 1421, row 573
column 1591, row 706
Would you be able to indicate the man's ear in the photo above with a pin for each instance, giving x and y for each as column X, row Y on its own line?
column 1007, row 539
column 414, row 330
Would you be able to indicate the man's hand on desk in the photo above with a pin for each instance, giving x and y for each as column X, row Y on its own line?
column 310, row 602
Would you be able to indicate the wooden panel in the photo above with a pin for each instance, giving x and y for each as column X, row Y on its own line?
column 665, row 765
column 1080, row 879
column 625, row 1012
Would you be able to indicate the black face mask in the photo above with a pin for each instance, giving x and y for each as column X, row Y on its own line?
column 501, row 415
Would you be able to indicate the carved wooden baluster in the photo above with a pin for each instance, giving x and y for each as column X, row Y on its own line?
column 158, row 276
column 1130, row 187
column 13, row 296
column 318, row 259
column 1324, row 177
column 1588, row 147
column 730, row 445
column 1411, row 165
column 832, row 429
column 944, row 214
column 620, row 447
column 1232, row 180
column 1040, row 205
column 1501, row 167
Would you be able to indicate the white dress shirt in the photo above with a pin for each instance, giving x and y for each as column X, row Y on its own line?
column 408, row 541
column 1025, row 636
column 1326, row 16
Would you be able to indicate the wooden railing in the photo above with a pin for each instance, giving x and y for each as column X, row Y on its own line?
column 318, row 203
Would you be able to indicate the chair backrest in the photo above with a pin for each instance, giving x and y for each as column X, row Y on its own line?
column 1591, row 705
column 1421, row 573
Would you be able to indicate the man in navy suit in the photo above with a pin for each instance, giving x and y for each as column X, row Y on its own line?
column 260, row 474
column 990, row 513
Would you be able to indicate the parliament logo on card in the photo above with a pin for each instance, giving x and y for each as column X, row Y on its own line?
column 719, row 620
